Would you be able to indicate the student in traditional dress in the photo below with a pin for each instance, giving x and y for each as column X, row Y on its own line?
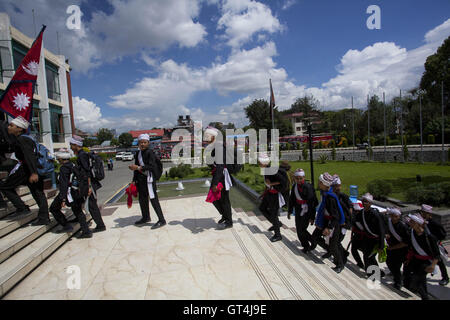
column 373, row 232
column 145, row 169
column 347, row 207
column 272, row 198
column 220, row 177
column 329, row 221
column 396, row 237
column 357, row 239
column 438, row 231
column 422, row 258
column 302, row 200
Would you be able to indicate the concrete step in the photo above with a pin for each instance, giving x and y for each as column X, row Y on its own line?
column 13, row 242
column 9, row 223
column 19, row 265
column 351, row 284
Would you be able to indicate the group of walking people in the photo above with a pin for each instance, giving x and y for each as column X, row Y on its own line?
column 75, row 182
column 410, row 241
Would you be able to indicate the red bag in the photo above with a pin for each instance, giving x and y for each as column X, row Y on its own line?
column 214, row 196
column 131, row 191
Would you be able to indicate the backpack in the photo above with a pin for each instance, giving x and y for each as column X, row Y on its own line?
column 78, row 184
column 159, row 165
column 45, row 161
column 96, row 166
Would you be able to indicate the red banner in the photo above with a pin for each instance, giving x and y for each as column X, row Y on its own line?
column 17, row 100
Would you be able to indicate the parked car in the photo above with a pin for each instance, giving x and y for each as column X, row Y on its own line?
column 119, row 155
column 128, row 156
column 364, row 145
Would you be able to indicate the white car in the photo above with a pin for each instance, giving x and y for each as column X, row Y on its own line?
column 128, row 156
column 119, row 155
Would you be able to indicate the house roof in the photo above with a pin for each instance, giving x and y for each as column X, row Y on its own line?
column 151, row 133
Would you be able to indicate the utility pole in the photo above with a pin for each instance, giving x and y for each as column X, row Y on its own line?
column 368, row 127
column 353, row 128
column 421, row 135
column 384, row 120
column 311, row 153
column 401, row 124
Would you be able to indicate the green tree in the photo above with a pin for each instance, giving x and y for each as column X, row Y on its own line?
column 104, row 135
column 115, row 142
column 437, row 69
column 126, row 139
column 258, row 114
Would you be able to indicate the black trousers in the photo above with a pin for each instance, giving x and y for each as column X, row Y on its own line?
column 394, row 261
column 76, row 206
column 367, row 247
column 143, row 200
column 95, row 211
column 20, row 177
column 415, row 277
column 357, row 244
column 223, row 205
column 301, row 225
column 269, row 208
column 317, row 239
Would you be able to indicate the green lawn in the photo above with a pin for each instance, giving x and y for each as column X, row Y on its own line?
column 401, row 175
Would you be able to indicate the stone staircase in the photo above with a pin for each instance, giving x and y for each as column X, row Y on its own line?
column 22, row 246
column 287, row 273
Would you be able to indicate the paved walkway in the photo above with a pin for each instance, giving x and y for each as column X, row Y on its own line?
column 190, row 259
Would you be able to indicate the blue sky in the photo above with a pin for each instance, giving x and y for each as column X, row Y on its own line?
column 138, row 64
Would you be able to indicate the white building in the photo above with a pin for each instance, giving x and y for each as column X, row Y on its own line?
column 52, row 100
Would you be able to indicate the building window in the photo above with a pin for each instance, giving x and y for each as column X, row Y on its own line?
column 51, row 73
column 299, row 129
column 56, row 120
column 36, row 127
column 6, row 69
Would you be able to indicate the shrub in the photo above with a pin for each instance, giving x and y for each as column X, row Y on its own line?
column 380, row 189
column 405, row 152
column 431, row 139
column 323, row 158
column 344, row 143
column 432, row 195
column 305, row 152
column 299, row 145
column 173, row 172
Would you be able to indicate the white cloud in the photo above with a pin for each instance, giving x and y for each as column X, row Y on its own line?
column 88, row 115
column 133, row 26
column 242, row 19
column 288, row 4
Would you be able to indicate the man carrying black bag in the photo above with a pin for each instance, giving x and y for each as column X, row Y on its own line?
column 83, row 162
column 73, row 190
column 146, row 172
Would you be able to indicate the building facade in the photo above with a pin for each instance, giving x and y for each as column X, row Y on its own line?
column 52, row 121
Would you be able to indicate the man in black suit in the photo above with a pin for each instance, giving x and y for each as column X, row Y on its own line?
column 83, row 162
column 220, row 175
column 25, row 173
column 145, row 173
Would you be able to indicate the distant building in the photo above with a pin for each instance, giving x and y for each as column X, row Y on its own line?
column 53, row 121
column 298, row 122
column 185, row 123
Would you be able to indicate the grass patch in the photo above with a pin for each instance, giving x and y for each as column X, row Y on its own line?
column 401, row 175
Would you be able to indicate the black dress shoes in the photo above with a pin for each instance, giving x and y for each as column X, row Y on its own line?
column 222, row 221
column 142, row 221
column 85, row 235
column 159, row 224
column 99, row 229
column 226, row 225
column 41, row 223
column 338, row 269
column 65, row 229
column 276, row 238
column 326, row 255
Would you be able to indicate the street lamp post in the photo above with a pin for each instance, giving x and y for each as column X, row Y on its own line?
column 353, row 129
column 368, row 127
column 442, row 125
column 421, row 135
column 384, row 120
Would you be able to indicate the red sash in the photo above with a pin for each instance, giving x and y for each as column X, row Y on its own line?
column 411, row 254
